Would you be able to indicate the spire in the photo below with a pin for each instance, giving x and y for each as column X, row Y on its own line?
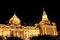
column 14, row 20
column 44, row 16
column 14, row 13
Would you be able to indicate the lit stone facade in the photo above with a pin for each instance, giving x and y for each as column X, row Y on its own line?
column 14, row 28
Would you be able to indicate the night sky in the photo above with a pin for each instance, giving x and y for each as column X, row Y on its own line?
column 30, row 11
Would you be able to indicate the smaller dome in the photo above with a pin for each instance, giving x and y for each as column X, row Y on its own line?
column 54, row 24
column 14, row 20
column 44, row 16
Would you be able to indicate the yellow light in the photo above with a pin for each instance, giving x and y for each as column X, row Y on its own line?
column 44, row 16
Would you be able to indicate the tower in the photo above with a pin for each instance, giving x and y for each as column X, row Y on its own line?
column 47, row 27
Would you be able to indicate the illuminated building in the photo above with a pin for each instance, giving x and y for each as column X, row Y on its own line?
column 14, row 28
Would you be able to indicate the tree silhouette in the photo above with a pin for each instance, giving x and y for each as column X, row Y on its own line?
column 14, row 38
column 1, row 38
column 45, row 37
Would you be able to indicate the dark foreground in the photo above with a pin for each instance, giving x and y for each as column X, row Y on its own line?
column 35, row 38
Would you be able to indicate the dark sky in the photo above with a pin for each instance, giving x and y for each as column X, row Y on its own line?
column 30, row 11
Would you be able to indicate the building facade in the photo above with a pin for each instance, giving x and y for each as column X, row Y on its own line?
column 15, row 29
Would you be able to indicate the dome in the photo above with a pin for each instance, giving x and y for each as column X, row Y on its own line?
column 14, row 20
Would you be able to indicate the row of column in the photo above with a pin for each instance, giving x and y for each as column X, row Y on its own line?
column 51, row 30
